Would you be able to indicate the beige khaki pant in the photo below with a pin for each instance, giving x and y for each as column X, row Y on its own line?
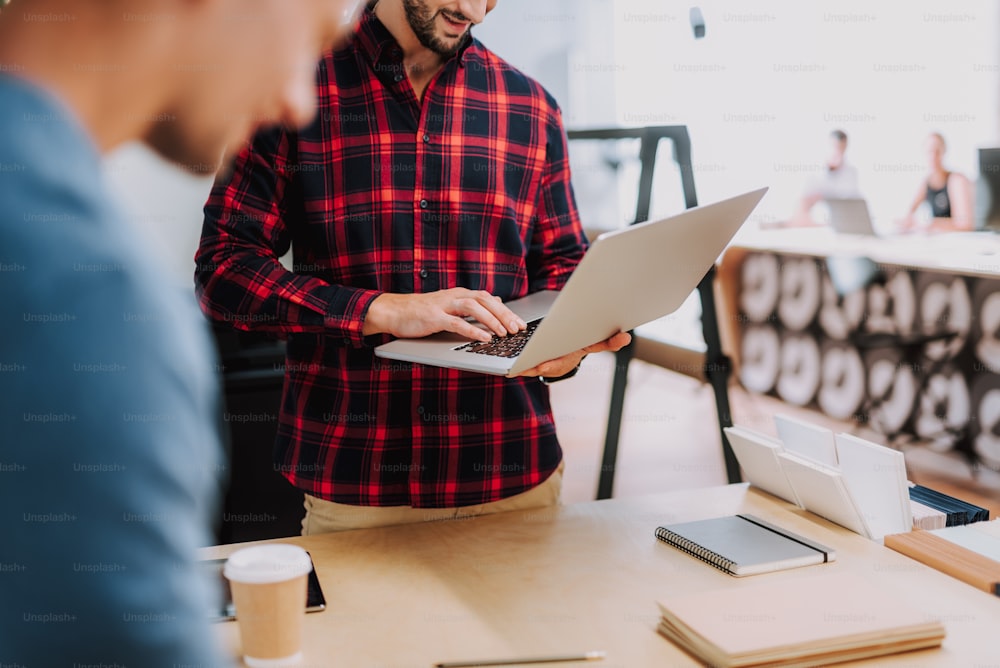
column 324, row 516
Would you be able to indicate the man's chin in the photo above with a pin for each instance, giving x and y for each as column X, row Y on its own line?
column 195, row 157
column 446, row 45
column 196, row 164
column 448, row 35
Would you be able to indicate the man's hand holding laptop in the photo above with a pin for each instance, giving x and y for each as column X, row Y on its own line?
column 423, row 314
column 563, row 365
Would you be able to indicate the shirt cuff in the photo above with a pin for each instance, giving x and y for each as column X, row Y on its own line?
column 349, row 321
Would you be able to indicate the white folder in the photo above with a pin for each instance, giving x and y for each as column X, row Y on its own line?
column 821, row 490
column 876, row 478
column 806, row 439
column 757, row 454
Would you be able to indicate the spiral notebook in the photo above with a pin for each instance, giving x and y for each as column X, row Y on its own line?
column 744, row 544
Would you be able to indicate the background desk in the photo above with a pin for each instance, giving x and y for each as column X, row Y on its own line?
column 797, row 340
column 576, row 578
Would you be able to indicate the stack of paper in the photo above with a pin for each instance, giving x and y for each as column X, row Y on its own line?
column 925, row 517
column 803, row 622
column 956, row 511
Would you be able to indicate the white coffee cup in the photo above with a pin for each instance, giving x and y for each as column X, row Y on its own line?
column 269, row 592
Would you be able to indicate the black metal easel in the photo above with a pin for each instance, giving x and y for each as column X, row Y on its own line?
column 717, row 367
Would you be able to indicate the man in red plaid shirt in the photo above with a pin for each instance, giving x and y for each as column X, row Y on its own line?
column 434, row 185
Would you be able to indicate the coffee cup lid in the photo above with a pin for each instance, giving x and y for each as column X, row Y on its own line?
column 261, row 564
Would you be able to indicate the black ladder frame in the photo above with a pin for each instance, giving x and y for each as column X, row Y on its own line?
column 717, row 367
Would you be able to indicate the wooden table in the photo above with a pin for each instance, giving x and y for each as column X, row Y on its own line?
column 577, row 578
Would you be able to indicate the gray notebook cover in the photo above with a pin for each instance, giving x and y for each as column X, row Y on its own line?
column 744, row 544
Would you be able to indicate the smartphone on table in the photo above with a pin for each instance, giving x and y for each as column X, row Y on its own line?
column 222, row 609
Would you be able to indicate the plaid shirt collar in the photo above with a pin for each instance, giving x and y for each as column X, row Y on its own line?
column 377, row 43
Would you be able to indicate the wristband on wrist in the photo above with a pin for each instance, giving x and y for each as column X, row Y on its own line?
column 548, row 380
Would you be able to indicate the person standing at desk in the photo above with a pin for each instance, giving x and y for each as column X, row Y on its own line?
column 110, row 454
column 948, row 195
column 434, row 182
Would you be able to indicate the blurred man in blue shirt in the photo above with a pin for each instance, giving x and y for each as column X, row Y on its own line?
column 110, row 453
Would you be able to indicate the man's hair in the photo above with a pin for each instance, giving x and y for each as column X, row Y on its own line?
column 839, row 135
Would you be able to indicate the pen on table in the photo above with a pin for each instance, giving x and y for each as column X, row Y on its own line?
column 589, row 656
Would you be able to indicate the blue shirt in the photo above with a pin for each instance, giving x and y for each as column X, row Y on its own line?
column 110, row 450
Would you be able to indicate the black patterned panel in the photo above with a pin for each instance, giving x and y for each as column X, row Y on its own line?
column 915, row 353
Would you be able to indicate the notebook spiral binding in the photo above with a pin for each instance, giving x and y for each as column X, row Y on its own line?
column 695, row 550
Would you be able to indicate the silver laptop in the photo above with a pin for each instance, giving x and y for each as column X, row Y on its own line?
column 849, row 215
column 628, row 277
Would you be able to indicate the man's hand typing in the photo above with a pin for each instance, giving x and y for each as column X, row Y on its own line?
column 417, row 315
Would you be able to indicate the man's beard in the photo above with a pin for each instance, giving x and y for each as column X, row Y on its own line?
column 421, row 21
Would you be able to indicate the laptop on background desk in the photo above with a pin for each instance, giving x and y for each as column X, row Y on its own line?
column 627, row 278
column 849, row 215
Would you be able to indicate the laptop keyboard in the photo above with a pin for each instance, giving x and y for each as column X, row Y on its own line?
column 502, row 346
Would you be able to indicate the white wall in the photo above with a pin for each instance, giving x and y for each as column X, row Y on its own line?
column 759, row 94
column 770, row 79
column 569, row 47
column 763, row 89
column 164, row 203
column 566, row 45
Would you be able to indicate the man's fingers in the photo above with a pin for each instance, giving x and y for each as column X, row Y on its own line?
column 510, row 320
column 463, row 327
column 557, row 367
column 563, row 365
column 416, row 315
column 474, row 308
column 490, row 311
column 619, row 340
column 615, row 343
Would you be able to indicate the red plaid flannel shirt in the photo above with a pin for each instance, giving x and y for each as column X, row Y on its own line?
column 383, row 193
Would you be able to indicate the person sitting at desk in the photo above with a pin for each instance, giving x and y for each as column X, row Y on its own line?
column 836, row 179
column 948, row 195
